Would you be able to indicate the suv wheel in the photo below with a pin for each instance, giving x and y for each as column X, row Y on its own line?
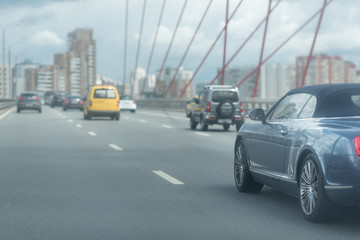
column 203, row 125
column 193, row 124
column 238, row 125
column 226, row 109
column 226, row 126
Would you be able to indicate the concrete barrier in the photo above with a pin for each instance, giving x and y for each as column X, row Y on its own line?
column 6, row 103
column 180, row 104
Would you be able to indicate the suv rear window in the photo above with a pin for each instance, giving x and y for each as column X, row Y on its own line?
column 104, row 93
column 219, row 96
column 29, row 95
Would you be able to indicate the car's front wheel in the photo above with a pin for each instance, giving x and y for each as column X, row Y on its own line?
column 243, row 179
column 314, row 202
column 193, row 124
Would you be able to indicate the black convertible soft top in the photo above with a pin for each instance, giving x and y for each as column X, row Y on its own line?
column 333, row 100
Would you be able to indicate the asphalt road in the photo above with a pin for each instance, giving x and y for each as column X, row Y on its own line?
column 147, row 176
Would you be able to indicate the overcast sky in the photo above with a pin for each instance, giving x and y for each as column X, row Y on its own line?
column 46, row 24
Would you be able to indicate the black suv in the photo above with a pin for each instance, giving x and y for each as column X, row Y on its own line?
column 217, row 104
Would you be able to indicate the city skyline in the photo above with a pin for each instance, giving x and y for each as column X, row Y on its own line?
column 47, row 36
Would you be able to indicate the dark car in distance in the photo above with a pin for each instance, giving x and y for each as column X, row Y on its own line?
column 307, row 145
column 29, row 101
column 73, row 102
column 57, row 100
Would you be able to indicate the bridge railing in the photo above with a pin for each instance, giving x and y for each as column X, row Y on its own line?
column 6, row 103
column 180, row 104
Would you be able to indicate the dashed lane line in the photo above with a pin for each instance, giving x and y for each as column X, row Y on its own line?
column 92, row 133
column 6, row 113
column 70, row 120
column 168, row 178
column 142, row 121
column 166, row 126
column 165, row 116
column 116, row 147
column 203, row 134
column 79, row 125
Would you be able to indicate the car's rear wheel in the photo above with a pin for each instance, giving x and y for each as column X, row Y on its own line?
column 314, row 202
column 64, row 109
column 238, row 125
column 117, row 117
column 193, row 124
column 18, row 110
column 203, row 125
column 243, row 179
column 226, row 126
column 39, row 110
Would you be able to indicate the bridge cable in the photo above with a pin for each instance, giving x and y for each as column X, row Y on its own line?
column 313, row 44
column 138, row 48
column 244, row 43
column 153, row 47
column 125, row 44
column 282, row 44
column 208, row 52
column 262, row 51
column 169, row 48
column 188, row 48
column 225, row 41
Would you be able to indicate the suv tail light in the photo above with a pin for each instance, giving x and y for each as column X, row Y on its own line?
column 37, row 98
column 66, row 101
column 357, row 145
column 90, row 103
column 208, row 107
column 117, row 103
column 241, row 107
column 21, row 98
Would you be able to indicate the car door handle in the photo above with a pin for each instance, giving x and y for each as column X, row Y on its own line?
column 283, row 132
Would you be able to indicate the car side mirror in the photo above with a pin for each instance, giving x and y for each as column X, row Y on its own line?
column 257, row 114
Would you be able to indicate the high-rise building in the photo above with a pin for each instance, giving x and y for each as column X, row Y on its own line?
column 135, row 81
column 81, row 61
column 19, row 77
column 61, row 73
column 276, row 80
column 181, row 79
column 44, row 79
column 325, row 69
column 5, row 83
column 233, row 75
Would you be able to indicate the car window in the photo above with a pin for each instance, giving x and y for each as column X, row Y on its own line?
column 28, row 95
column 340, row 104
column 289, row 107
column 309, row 108
column 104, row 93
column 125, row 97
column 219, row 96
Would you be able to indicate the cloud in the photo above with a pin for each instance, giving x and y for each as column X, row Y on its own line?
column 47, row 38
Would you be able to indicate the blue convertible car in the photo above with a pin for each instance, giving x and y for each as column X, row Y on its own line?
column 307, row 145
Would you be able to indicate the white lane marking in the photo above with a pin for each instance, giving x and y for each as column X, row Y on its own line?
column 168, row 178
column 166, row 126
column 70, row 120
column 64, row 117
column 143, row 121
column 92, row 133
column 127, row 118
column 203, row 134
column 7, row 113
column 116, row 147
column 165, row 116
column 79, row 125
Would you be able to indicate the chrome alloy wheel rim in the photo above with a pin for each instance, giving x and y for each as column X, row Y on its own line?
column 239, row 166
column 309, row 183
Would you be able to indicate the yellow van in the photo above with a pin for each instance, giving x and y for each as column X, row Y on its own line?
column 102, row 101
